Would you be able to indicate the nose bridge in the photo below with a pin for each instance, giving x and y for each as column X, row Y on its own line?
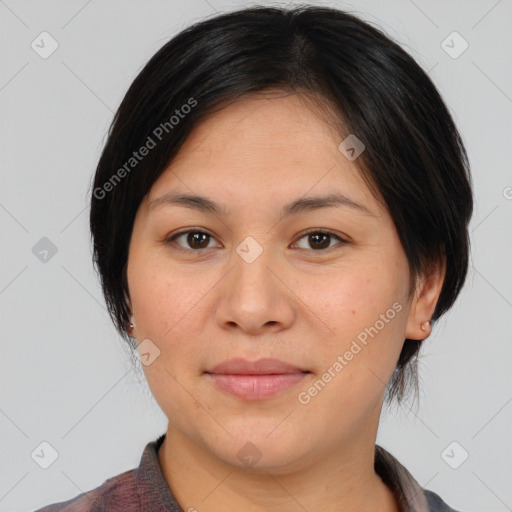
column 252, row 296
column 252, row 260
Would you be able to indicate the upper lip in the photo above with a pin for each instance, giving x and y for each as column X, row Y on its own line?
column 266, row 366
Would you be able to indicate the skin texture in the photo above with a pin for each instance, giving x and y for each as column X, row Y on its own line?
column 297, row 302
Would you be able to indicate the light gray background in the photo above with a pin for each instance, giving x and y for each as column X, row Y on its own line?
column 65, row 375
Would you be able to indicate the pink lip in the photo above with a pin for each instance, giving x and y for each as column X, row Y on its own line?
column 255, row 380
column 266, row 366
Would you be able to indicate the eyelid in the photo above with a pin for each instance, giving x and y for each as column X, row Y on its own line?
column 341, row 237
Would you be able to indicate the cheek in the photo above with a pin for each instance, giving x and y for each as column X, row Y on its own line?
column 353, row 298
column 168, row 307
column 164, row 300
column 364, row 308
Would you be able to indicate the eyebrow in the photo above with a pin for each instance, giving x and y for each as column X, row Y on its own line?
column 301, row 205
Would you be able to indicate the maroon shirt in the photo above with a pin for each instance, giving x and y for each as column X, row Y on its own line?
column 145, row 489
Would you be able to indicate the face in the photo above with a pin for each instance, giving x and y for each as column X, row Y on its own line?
column 323, row 289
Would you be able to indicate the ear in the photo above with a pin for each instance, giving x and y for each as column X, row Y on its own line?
column 127, row 300
column 124, row 275
column 424, row 302
column 129, row 329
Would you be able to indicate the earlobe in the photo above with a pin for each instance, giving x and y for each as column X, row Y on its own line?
column 424, row 303
column 131, row 325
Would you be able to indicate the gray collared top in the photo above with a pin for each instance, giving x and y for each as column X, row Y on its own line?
column 144, row 489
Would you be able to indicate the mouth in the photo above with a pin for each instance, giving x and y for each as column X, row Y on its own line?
column 255, row 380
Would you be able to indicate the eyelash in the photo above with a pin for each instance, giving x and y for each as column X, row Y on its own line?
column 171, row 240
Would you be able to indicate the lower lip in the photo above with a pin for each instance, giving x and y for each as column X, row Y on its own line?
column 256, row 387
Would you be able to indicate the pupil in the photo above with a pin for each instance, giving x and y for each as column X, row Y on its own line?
column 193, row 238
column 326, row 237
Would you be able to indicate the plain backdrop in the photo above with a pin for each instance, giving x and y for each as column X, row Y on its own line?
column 65, row 375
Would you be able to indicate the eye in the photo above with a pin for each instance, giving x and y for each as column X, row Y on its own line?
column 196, row 239
column 320, row 240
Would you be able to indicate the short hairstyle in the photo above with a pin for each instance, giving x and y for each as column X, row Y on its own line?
column 414, row 160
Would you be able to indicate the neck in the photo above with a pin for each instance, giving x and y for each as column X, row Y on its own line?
column 340, row 479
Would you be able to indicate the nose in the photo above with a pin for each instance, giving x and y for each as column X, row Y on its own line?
column 253, row 297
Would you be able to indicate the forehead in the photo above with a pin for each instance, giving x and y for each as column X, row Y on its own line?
column 272, row 148
column 274, row 122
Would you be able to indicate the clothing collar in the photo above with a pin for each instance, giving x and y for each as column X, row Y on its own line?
column 407, row 491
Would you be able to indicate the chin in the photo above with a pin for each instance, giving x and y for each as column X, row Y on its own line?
column 257, row 451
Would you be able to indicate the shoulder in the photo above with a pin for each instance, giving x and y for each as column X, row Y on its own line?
column 116, row 494
column 436, row 504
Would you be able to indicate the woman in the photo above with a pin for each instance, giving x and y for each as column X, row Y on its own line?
column 280, row 215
